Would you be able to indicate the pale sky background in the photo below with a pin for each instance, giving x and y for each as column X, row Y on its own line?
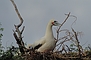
column 37, row 13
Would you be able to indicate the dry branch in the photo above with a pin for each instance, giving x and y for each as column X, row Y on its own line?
column 21, row 19
column 78, row 43
column 58, row 31
column 62, row 25
column 17, row 33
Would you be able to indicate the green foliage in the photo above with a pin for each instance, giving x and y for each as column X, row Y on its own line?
column 1, row 29
column 73, row 47
column 12, row 53
column 1, row 47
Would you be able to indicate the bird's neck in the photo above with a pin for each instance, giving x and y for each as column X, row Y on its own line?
column 49, row 32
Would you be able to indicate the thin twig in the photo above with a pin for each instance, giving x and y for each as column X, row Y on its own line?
column 22, row 29
column 62, row 25
column 78, row 45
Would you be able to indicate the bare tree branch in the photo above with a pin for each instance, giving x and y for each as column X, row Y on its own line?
column 17, row 33
column 62, row 25
column 78, row 43
column 22, row 29
column 21, row 20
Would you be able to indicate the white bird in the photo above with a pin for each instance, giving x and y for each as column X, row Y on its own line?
column 48, row 42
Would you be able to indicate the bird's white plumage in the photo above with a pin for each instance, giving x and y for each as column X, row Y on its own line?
column 48, row 42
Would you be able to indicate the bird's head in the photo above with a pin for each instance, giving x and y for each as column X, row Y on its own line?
column 55, row 23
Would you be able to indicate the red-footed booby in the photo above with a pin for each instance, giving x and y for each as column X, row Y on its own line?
column 48, row 42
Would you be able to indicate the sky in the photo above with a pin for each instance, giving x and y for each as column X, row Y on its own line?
column 36, row 15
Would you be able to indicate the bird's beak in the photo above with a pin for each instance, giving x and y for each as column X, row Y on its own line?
column 56, row 24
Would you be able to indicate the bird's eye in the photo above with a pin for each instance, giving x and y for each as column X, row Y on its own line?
column 55, row 21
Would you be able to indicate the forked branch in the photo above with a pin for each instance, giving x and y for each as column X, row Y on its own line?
column 78, row 43
column 17, row 33
column 62, row 25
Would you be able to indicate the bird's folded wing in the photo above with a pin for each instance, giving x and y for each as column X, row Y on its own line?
column 39, row 43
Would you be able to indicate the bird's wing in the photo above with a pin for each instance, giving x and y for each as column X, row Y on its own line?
column 38, row 43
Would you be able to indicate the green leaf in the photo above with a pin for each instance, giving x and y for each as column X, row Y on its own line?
column 1, row 29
